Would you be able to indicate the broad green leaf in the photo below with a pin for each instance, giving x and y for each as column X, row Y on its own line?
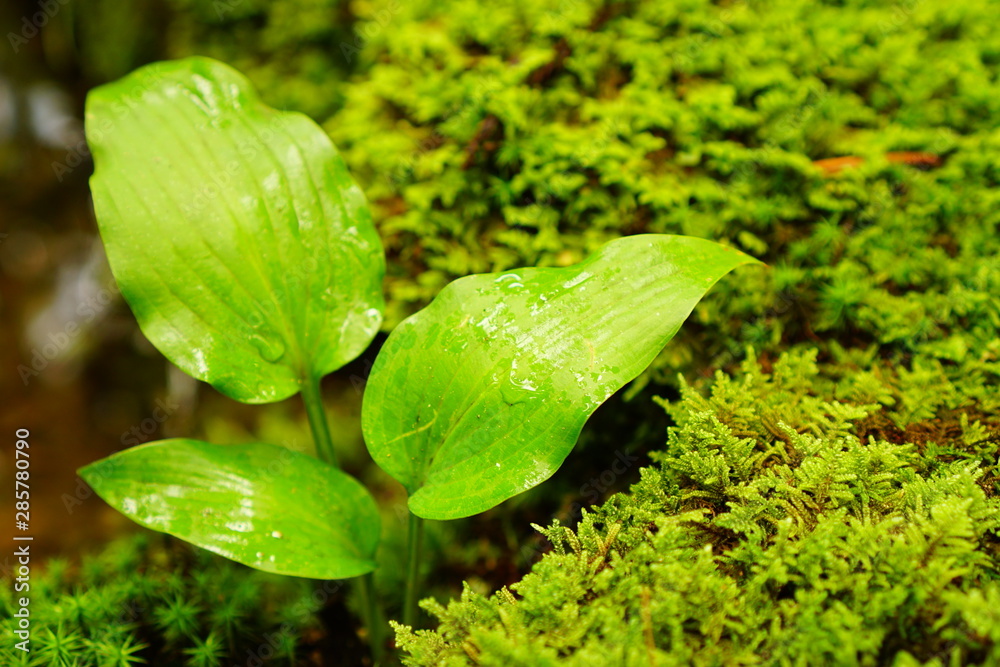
column 238, row 238
column 261, row 505
column 482, row 394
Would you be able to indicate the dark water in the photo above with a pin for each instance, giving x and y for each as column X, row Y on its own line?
column 74, row 370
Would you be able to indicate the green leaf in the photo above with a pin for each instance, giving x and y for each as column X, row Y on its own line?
column 261, row 505
column 482, row 394
column 234, row 231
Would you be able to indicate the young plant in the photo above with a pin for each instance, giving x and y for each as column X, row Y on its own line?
column 250, row 260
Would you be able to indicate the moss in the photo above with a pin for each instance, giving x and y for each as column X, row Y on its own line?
column 148, row 599
column 535, row 136
column 779, row 525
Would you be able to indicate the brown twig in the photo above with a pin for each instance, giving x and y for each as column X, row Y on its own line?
column 542, row 73
column 833, row 165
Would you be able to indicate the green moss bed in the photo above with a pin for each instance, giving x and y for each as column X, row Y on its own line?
column 149, row 599
column 779, row 525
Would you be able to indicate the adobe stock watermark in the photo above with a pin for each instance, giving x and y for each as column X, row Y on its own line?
column 76, row 155
column 539, row 204
column 274, row 642
column 359, row 380
column 220, row 180
column 142, row 432
column 146, row 80
column 367, row 31
column 59, row 341
column 589, row 495
column 485, row 88
column 32, row 25
column 558, row 15
column 135, row 435
column 591, row 491
column 224, row 7
column 785, row 300
column 711, row 31
column 902, row 13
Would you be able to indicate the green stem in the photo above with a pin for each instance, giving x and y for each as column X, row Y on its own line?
column 317, row 421
column 373, row 617
column 324, row 447
column 416, row 539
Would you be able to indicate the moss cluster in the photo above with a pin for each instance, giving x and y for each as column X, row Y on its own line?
column 780, row 525
column 534, row 136
column 148, row 599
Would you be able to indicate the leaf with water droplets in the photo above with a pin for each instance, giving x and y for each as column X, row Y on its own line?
column 234, row 231
column 482, row 394
column 261, row 505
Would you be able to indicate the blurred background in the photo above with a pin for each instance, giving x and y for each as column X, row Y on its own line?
column 88, row 383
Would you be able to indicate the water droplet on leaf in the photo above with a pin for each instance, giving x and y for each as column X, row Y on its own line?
column 510, row 281
column 516, row 388
column 270, row 348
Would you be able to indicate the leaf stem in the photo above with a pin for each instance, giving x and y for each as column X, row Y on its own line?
column 313, row 400
column 373, row 617
column 416, row 538
column 317, row 421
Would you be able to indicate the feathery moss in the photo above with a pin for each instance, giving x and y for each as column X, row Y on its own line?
column 148, row 599
column 780, row 525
